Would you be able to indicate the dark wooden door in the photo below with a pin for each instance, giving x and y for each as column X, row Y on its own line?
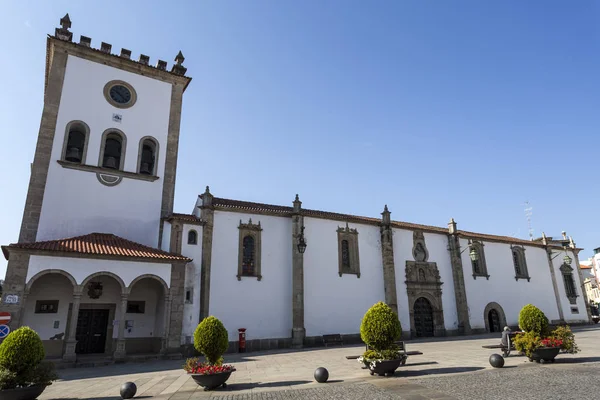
column 91, row 331
column 494, row 321
column 423, row 315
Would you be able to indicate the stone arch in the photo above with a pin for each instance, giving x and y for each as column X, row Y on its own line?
column 437, row 313
column 150, row 276
column 498, row 308
column 50, row 271
column 124, row 289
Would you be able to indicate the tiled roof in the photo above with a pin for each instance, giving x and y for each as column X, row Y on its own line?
column 99, row 244
column 189, row 218
column 583, row 266
column 261, row 208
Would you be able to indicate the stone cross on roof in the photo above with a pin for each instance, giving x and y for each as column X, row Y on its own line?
column 178, row 68
column 63, row 32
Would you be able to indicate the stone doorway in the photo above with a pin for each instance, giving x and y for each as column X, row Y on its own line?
column 494, row 321
column 423, row 317
column 91, row 334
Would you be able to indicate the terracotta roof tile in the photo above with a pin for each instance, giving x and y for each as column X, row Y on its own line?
column 251, row 207
column 103, row 244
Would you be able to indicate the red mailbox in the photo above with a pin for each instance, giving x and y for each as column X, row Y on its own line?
column 242, row 340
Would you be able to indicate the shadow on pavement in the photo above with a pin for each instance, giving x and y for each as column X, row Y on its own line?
column 576, row 360
column 70, row 374
column 435, row 371
column 257, row 385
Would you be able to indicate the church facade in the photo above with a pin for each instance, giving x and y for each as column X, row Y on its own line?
column 104, row 266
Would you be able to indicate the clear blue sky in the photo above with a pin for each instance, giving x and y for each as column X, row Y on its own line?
column 440, row 109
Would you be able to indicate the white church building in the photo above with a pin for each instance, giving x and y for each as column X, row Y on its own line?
column 104, row 266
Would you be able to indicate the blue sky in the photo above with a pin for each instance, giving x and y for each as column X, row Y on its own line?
column 440, row 109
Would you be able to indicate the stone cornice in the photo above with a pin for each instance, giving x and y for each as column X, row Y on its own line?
column 107, row 171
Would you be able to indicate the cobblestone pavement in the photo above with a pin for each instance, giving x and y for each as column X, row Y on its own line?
column 449, row 368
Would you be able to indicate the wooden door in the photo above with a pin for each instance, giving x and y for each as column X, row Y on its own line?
column 423, row 315
column 91, row 331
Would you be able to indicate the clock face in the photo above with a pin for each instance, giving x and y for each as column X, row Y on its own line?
column 120, row 94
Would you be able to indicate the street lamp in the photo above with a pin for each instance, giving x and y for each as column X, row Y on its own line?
column 566, row 259
column 301, row 241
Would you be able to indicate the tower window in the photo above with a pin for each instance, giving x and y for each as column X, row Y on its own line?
column 147, row 156
column 75, row 145
column 112, row 153
column 192, row 237
column 249, row 250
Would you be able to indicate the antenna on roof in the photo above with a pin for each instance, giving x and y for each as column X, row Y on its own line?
column 528, row 212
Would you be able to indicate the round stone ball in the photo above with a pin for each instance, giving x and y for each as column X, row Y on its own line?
column 321, row 375
column 128, row 390
column 496, row 361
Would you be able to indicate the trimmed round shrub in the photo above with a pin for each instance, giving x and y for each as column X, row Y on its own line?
column 380, row 327
column 211, row 339
column 21, row 350
column 532, row 319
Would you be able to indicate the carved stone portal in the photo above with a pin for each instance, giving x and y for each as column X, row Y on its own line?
column 424, row 290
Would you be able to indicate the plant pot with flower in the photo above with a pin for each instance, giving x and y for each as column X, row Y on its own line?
column 211, row 340
column 537, row 342
column 379, row 329
column 23, row 375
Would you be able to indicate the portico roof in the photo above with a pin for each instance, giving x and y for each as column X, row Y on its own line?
column 98, row 244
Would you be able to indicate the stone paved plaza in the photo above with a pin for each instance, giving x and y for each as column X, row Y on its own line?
column 452, row 368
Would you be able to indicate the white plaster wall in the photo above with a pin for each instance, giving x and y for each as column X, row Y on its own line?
column 502, row 287
column 334, row 304
column 75, row 202
column 564, row 301
column 151, row 322
column 191, row 311
column 403, row 244
column 81, row 268
column 263, row 307
column 166, row 237
column 49, row 287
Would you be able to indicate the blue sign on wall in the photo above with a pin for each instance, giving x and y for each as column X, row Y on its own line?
column 4, row 331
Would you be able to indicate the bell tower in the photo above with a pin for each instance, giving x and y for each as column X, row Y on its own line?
column 106, row 153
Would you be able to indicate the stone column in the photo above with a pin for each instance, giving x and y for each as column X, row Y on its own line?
column 207, row 214
column 460, row 293
column 298, row 330
column 71, row 341
column 167, row 310
column 120, row 352
column 575, row 251
column 387, row 254
column 561, row 317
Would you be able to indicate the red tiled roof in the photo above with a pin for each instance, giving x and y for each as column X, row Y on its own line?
column 251, row 207
column 103, row 244
column 583, row 266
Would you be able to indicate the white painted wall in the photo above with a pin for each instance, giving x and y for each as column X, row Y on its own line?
column 151, row 322
column 334, row 304
column 191, row 311
column 75, row 202
column 564, row 301
column 166, row 237
column 264, row 308
column 50, row 287
column 502, row 287
column 81, row 268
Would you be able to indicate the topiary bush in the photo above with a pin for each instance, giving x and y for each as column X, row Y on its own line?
column 380, row 327
column 22, row 350
column 211, row 339
column 532, row 319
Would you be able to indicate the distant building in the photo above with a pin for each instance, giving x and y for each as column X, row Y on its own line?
column 104, row 266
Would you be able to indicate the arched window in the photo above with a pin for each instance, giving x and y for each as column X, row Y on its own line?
column 192, row 237
column 147, row 156
column 75, row 145
column 570, row 290
column 112, row 153
column 520, row 263
column 248, row 256
column 478, row 260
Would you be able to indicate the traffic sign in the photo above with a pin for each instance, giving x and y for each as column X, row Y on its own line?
column 5, row 317
column 4, row 331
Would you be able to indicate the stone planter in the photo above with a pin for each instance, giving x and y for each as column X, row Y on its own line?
column 210, row 382
column 385, row 367
column 27, row 393
column 544, row 354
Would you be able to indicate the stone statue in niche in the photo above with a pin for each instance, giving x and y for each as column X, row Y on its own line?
column 420, row 252
column 422, row 275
